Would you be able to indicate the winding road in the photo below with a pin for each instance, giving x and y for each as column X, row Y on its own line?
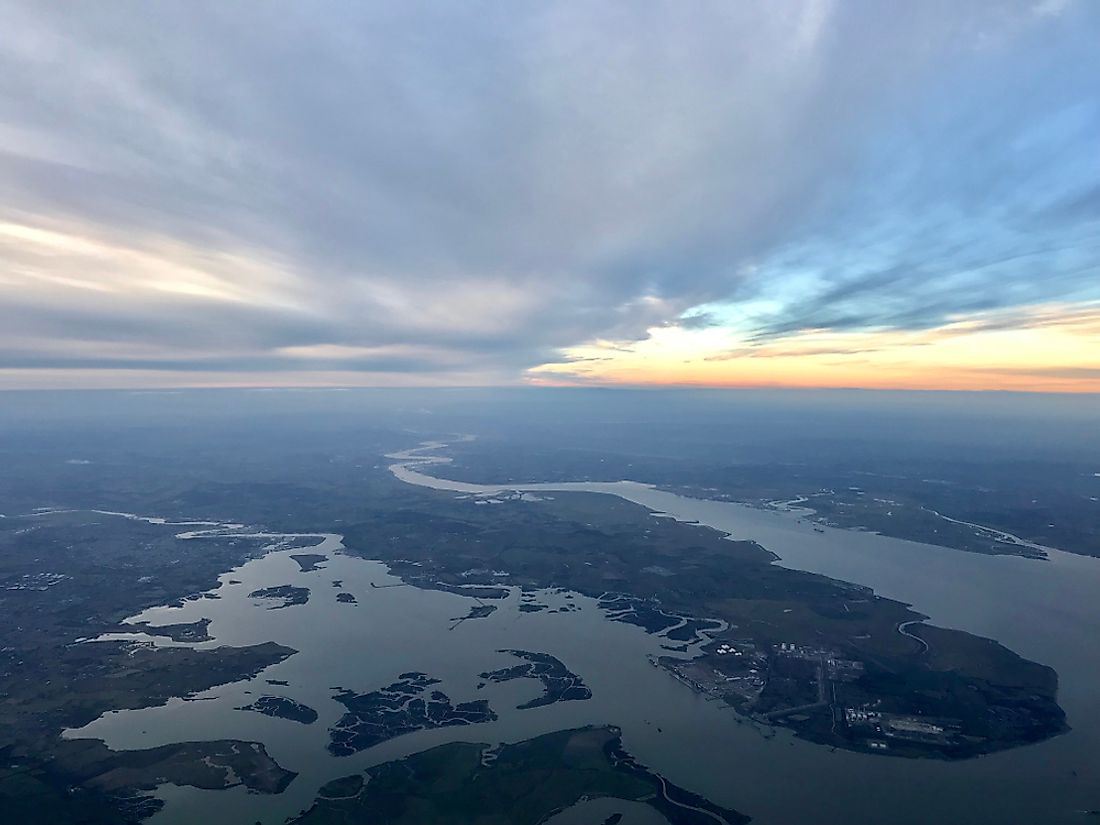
column 711, row 814
column 904, row 632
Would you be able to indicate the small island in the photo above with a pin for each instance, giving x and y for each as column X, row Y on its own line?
column 308, row 562
column 283, row 708
column 478, row 611
column 286, row 594
column 559, row 684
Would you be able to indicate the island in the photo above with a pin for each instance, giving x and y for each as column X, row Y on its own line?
column 478, row 611
column 287, row 595
column 559, row 684
column 283, row 708
column 398, row 709
column 308, row 562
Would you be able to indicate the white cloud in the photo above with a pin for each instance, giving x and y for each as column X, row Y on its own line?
column 426, row 183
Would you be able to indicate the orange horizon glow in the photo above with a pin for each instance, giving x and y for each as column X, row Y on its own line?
column 1046, row 348
column 914, row 385
column 1052, row 347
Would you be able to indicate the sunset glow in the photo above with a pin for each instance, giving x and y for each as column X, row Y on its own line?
column 805, row 194
column 1049, row 348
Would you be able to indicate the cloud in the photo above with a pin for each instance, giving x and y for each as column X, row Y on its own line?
column 1078, row 321
column 469, row 190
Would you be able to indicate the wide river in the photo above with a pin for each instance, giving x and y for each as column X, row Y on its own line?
column 1046, row 610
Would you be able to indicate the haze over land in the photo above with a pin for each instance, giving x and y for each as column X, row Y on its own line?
column 236, row 605
column 806, row 194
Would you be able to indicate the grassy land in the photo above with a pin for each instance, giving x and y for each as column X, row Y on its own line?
column 522, row 785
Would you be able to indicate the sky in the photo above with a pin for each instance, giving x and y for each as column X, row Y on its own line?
column 840, row 194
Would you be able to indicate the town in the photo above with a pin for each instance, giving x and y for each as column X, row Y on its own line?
column 815, row 691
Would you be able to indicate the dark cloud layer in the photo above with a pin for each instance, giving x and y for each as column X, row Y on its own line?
column 282, row 186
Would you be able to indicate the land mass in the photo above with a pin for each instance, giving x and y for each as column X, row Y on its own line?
column 87, row 782
column 286, row 595
column 398, row 709
column 283, row 708
column 969, row 505
column 213, row 765
column 308, row 562
column 559, row 684
column 100, row 570
column 521, row 784
column 825, row 655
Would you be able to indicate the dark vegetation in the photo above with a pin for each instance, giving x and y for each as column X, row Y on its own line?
column 559, row 684
column 283, row 708
column 396, row 710
column 521, row 784
column 286, row 595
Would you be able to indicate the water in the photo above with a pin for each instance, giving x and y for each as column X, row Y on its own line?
column 363, row 647
column 1045, row 610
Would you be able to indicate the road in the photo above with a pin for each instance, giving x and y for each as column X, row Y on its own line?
column 704, row 811
column 904, row 632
